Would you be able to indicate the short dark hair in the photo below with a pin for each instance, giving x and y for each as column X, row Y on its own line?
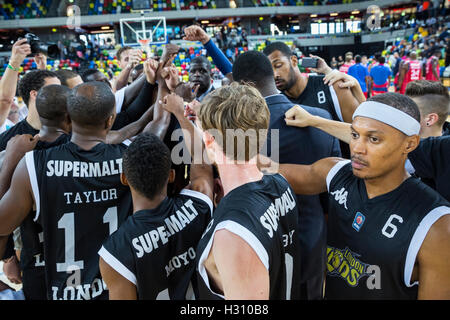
column 86, row 73
column 381, row 59
column 65, row 74
column 51, row 102
column 400, row 102
column 434, row 103
column 200, row 60
column 91, row 103
column 146, row 165
column 419, row 88
column 280, row 46
column 357, row 58
column 252, row 66
column 122, row 50
column 33, row 80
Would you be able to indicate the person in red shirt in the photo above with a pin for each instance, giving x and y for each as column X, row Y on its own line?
column 432, row 67
column 348, row 63
column 410, row 70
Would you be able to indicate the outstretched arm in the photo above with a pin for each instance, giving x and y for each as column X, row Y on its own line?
column 299, row 117
column 201, row 173
column 122, row 78
column 8, row 83
column 196, row 33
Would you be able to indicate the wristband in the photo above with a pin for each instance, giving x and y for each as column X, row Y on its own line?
column 12, row 68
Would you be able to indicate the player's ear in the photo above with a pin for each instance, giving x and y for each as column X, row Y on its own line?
column 123, row 179
column 294, row 60
column 110, row 121
column 411, row 143
column 172, row 176
column 431, row 119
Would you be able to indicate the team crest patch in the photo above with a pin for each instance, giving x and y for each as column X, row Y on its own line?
column 345, row 264
column 358, row 221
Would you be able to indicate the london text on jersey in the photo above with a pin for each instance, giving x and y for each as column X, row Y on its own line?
column 80, row 169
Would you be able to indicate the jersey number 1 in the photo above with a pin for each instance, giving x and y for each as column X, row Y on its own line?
column 67, row 222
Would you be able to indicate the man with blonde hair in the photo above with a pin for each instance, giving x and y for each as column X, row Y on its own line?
column 250, row 250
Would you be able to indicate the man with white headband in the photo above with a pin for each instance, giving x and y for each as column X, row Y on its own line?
column 388, row 233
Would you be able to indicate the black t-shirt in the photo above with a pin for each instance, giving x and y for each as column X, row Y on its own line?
column 80, row 201
column 446, row 129
column 373, row 243
column 431, row 161
column 155, row 249
column 21, row 127
column 264, row 214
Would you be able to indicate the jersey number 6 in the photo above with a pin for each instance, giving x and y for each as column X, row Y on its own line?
column 393, row 228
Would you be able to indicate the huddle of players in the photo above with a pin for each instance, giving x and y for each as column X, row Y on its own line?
column 92, row 198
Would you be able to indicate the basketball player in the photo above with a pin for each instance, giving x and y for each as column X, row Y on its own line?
column 77, row 193
column 152, row 255
column 29, row 86
column 309, row 91
column 388, row 233
column 250, row 249
column 432, row 66
column 410, row 70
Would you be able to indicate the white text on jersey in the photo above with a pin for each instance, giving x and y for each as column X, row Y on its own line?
column 280, row 207
column 80, row 169
column 174, row 223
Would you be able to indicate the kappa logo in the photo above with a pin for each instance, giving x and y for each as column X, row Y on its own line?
column 341, row 196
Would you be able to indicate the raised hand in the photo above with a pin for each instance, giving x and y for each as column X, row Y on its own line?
column 150, row 69
column 298, row 117
column 20, row 50
column 41, row 61
column 322, row 66
column 21, row 144
column 196, row 33
column 188, row 91
column 347, row 80
column 173, row 104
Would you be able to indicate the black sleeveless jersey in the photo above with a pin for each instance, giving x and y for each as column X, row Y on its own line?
column 264, row 214
column 373, row 243
column 32, row 261
column 80, row 201
column 155, row 249
column 320, row 95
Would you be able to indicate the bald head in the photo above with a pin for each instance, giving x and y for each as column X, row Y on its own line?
column 91, row 104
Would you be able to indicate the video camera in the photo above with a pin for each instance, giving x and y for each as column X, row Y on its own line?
column 50, row 50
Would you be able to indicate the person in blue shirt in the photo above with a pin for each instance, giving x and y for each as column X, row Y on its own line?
column 361, row 73
column 381, row 77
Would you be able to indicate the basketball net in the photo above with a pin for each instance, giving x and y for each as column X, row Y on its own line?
column 145, row 45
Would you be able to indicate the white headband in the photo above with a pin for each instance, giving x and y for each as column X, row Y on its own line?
column 388, row 115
